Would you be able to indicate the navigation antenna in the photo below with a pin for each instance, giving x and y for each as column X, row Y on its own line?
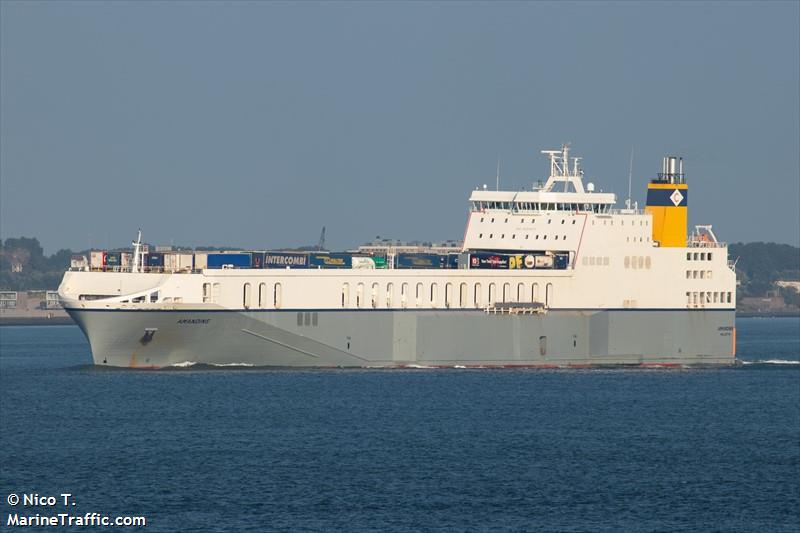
column 630, row 179
column 497, row 185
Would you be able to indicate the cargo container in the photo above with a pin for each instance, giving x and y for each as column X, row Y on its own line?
column 285, row 260
column 97, row 260
column 452, row 260
column 521, row 261
column 256, row 259
column 362, row 262
column 410, row 260
column 154, row 260
column 79, row 262
column 544, row 261
column 229, row 260
column 380, row 262
column 488, row 260
column 126, row 260
column 178, row 261
column 114, row 259
column 200, row 260
column 333, row 260
column 561, row 261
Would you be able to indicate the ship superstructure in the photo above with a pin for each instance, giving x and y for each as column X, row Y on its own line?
column 551, row 276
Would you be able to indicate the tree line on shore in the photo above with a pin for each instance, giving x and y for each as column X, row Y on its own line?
column 24, row 266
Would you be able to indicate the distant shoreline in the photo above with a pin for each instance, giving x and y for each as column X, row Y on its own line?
column 36, row 321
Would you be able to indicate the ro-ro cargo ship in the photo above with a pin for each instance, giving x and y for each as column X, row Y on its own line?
column 556, row 275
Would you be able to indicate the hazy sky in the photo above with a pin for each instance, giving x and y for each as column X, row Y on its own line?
column 256, row 123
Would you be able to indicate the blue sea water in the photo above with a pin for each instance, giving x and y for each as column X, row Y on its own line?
column 406, row 450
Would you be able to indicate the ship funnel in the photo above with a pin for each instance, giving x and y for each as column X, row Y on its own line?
column 667, row 201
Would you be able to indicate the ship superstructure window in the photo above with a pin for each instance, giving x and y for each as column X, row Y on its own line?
column 521, row 292
column 462, row 295
column 346, row 295
column 359, row 295
column 492, row 294
column 404, row 295
column 477, row 295
column 389, row 294
column 448, row 295
column 506, row 292
column 434, row 294
column 206, row 293
column 548, row 297
column 246, row 296
column 419, row 295
column 535, row 292
column 277, row 296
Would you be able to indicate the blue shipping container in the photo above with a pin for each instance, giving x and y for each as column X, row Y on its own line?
column 155, row 259
column 561, row 261
column 330, row 260
column 285, row 260
column 238, row 260
column 420, row 261
column 256, row 259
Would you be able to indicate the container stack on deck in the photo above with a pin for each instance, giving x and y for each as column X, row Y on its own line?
column 185, row 261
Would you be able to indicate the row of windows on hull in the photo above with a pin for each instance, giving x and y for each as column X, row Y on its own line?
column 523, row 207
column 423, row 296
column 449, row 295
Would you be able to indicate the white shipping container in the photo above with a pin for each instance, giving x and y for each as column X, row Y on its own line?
column 170, row 262
column 184, row 261
column 544, row 261
column 97, row 259
column 126, row 259
column 200, row 260
column 362, row 262
column 79, row 262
